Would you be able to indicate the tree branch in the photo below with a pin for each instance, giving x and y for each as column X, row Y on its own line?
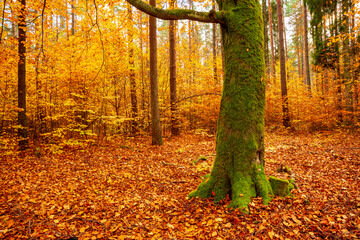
column 178, row 14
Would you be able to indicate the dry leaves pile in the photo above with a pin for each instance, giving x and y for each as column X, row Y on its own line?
column 129, row 189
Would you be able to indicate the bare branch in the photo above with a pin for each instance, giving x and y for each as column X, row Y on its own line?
column 178, row 14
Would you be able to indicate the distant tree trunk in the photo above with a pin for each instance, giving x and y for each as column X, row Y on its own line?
column 266, row 36
column 172, row 53
column 306, row 49
column 155, row 115
column 339, row 81
column 73, row 17
column 298, row 50
column 214, row 43
column 133, row 96
column 22, row 120
column 346, row 57
column 285, row 107
column 273, row 72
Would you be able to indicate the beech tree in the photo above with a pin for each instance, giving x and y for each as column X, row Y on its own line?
column 22, row 121
column 238, row 170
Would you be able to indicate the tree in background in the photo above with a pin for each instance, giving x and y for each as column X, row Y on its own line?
column 155, row 115
column 172, row 54
column 284, row 96
column 22, row 120
column 306, row 49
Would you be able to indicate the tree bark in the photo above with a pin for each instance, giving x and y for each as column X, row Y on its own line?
column 285, row 105
column 306, row 49
column 214, row 47
column 155, row 115
column 266, row 36
column 172, row 53
column 22, row 120
column 273, row 72
column 133, row 96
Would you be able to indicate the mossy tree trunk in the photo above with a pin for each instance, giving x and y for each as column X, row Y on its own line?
column 238, row 168
column 239, row 165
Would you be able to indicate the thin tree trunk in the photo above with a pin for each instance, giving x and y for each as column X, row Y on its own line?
column 214, row 43
column 298, row 50
column 133, row 96
column 22, row 120
column 172, row 53
column 73, row 17
column 155, row 115
column 285, row 106
column 273, row 72
column 306, row 49
column 339, row 81
column 266, row 36
column 346, row 57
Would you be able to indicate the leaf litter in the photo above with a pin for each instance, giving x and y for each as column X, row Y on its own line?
column 128, row 189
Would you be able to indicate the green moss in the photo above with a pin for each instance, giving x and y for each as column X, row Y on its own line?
column 281, row 187
column 263, row 186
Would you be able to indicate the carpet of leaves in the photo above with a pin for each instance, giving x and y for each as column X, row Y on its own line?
column 128, row 189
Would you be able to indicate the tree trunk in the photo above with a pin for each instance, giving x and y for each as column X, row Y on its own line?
column 155, row 115
column 22, row 120
column 214, row 48
column 347, row 66
column 133, row 97
column 172, row 53
column 339, row 81
column 273, row 72
column 266, row 36
column 307, row 65
column 238, row 168
column 285, row 107
column 73, row 17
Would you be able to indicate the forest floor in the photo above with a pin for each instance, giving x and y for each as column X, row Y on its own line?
column 128, row 189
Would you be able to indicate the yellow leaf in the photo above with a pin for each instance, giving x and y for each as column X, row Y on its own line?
column 82, row 229
column 271, row 234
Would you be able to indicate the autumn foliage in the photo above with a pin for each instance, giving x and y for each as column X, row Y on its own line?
column 85, row 174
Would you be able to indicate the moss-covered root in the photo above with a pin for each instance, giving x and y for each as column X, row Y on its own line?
column 262, row 184
column 244, row 187
column 204, row 190
column 281, row 187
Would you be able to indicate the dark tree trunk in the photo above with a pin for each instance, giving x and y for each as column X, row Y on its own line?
column 133, row 96
column 73, row 17
column 339, row 81
column 155, row 114
column 273, row 72
column 214, row 48
column 22, row 120
column 172, row 53
column 266, row 36
column 306, row 49
column 285, row 105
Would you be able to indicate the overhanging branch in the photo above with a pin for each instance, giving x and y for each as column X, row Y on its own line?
column 178, row 14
